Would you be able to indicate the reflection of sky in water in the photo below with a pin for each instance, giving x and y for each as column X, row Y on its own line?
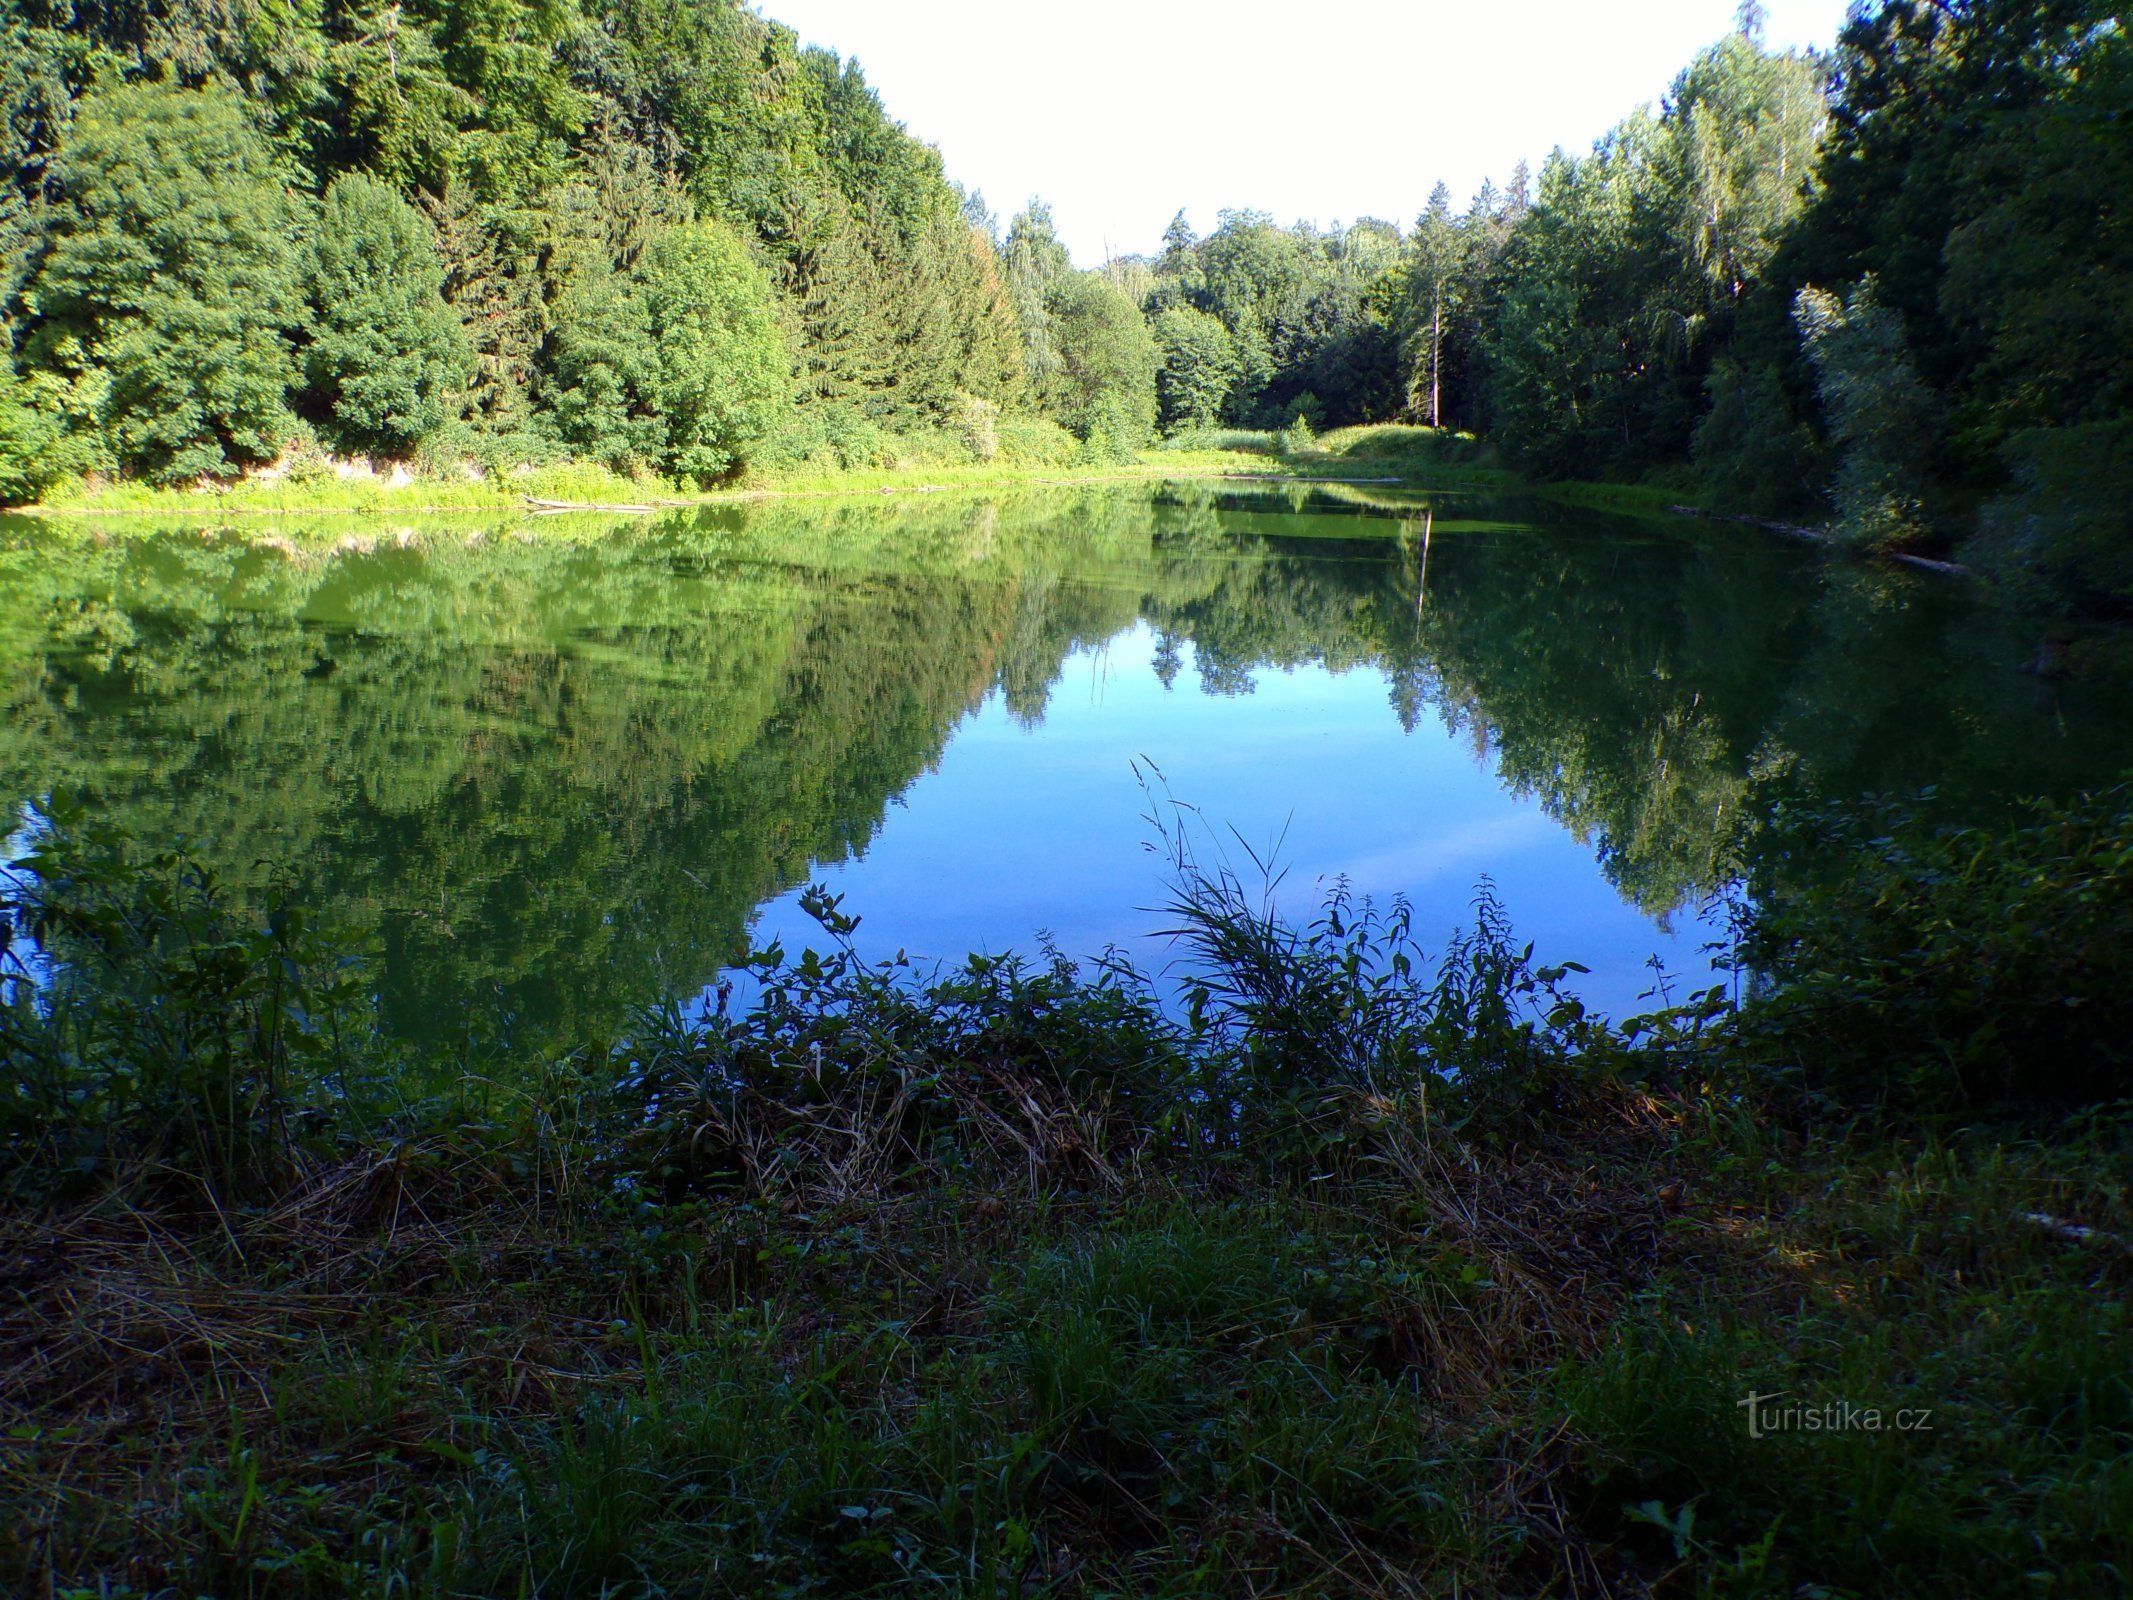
column 1027, row 829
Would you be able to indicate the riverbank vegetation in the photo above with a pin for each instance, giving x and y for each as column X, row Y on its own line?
column 1388, row 453
column 1359, row 1270
column 1860, row 288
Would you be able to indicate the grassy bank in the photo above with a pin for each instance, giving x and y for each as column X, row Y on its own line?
column 1367, row 1275
column 1394, row 453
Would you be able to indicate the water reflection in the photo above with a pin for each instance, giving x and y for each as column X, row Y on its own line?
column 556, row 770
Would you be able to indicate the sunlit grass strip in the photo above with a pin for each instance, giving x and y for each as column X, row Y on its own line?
column 593, row 486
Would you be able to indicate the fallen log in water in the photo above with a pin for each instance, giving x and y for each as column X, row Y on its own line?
column 1277, row 477
column 585, row 505
column 1793, row 530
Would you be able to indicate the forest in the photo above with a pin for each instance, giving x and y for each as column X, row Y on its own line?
column 1884, row 289
column 429, row 1168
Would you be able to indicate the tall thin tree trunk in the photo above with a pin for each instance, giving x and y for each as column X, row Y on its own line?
column 1436, row 350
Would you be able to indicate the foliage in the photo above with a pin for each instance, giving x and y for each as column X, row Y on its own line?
column 1619, row 287
column 1635, row 316
column 387, row 354
column 1105, row 389
column 1968, row 176
column 721, row 364
column 542, row 142
column 153, row 1033
column 1943, row 971
column 47, row 431
column 2061, row 537
column 1198, row 368
column 1750, row 450
column 781, row 1315
column 175, row 275
column 1880, row 416
column 604, row 369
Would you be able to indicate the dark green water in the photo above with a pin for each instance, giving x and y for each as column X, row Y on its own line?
column 560, row 770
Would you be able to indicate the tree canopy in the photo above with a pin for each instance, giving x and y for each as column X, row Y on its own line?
column 1891, row 285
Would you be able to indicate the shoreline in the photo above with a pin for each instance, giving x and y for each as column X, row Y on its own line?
column 373, row 495
column 1361, row 460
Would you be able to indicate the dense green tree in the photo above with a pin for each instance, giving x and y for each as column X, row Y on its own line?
column 1744, row 126
column 1105, row 389
column 1752, row 450
column 32, row 440
column 176, row 269
column 387, row 354
column 678, row 366
column 1635, row 314
column 1198, row 365
column 722, row 367
column 391, row 107
column 1881, row 416
column 547, row 142
column 604, row 369
column 1970, row 171
column 1624, row 280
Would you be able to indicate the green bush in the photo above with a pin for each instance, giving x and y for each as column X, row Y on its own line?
column 1945, row 970
column 388, row 355
column 152, row 1028
column 47, row 431
column 678, row 366
column 1036, row 442
column 176, row 270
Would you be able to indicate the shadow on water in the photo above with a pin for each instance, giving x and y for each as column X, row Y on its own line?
column 555, row 769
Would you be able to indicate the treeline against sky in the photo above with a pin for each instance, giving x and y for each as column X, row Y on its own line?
column 1891, row 287
column 658, row 235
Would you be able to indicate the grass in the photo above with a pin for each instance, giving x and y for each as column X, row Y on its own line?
column 1371, row 1275
column 1408, row 454
column 586, row 484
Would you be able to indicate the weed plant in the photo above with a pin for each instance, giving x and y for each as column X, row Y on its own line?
column 1366, row 1271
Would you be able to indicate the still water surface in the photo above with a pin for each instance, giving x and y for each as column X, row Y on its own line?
column 558, row 770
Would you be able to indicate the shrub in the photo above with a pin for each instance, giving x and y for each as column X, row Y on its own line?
column 388, row 354
column 1943, row 970
column 177, row 270
column 150, row 1026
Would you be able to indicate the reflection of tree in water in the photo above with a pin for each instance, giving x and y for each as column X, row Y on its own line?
column 557, row 776
column 1654, row 687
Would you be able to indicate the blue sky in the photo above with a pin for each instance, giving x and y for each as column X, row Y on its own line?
column 1121, row 111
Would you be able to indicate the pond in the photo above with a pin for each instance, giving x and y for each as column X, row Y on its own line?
column 557, row 769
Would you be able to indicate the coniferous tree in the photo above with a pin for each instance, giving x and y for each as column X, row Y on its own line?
column 493, row 287
column 1437, row 253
